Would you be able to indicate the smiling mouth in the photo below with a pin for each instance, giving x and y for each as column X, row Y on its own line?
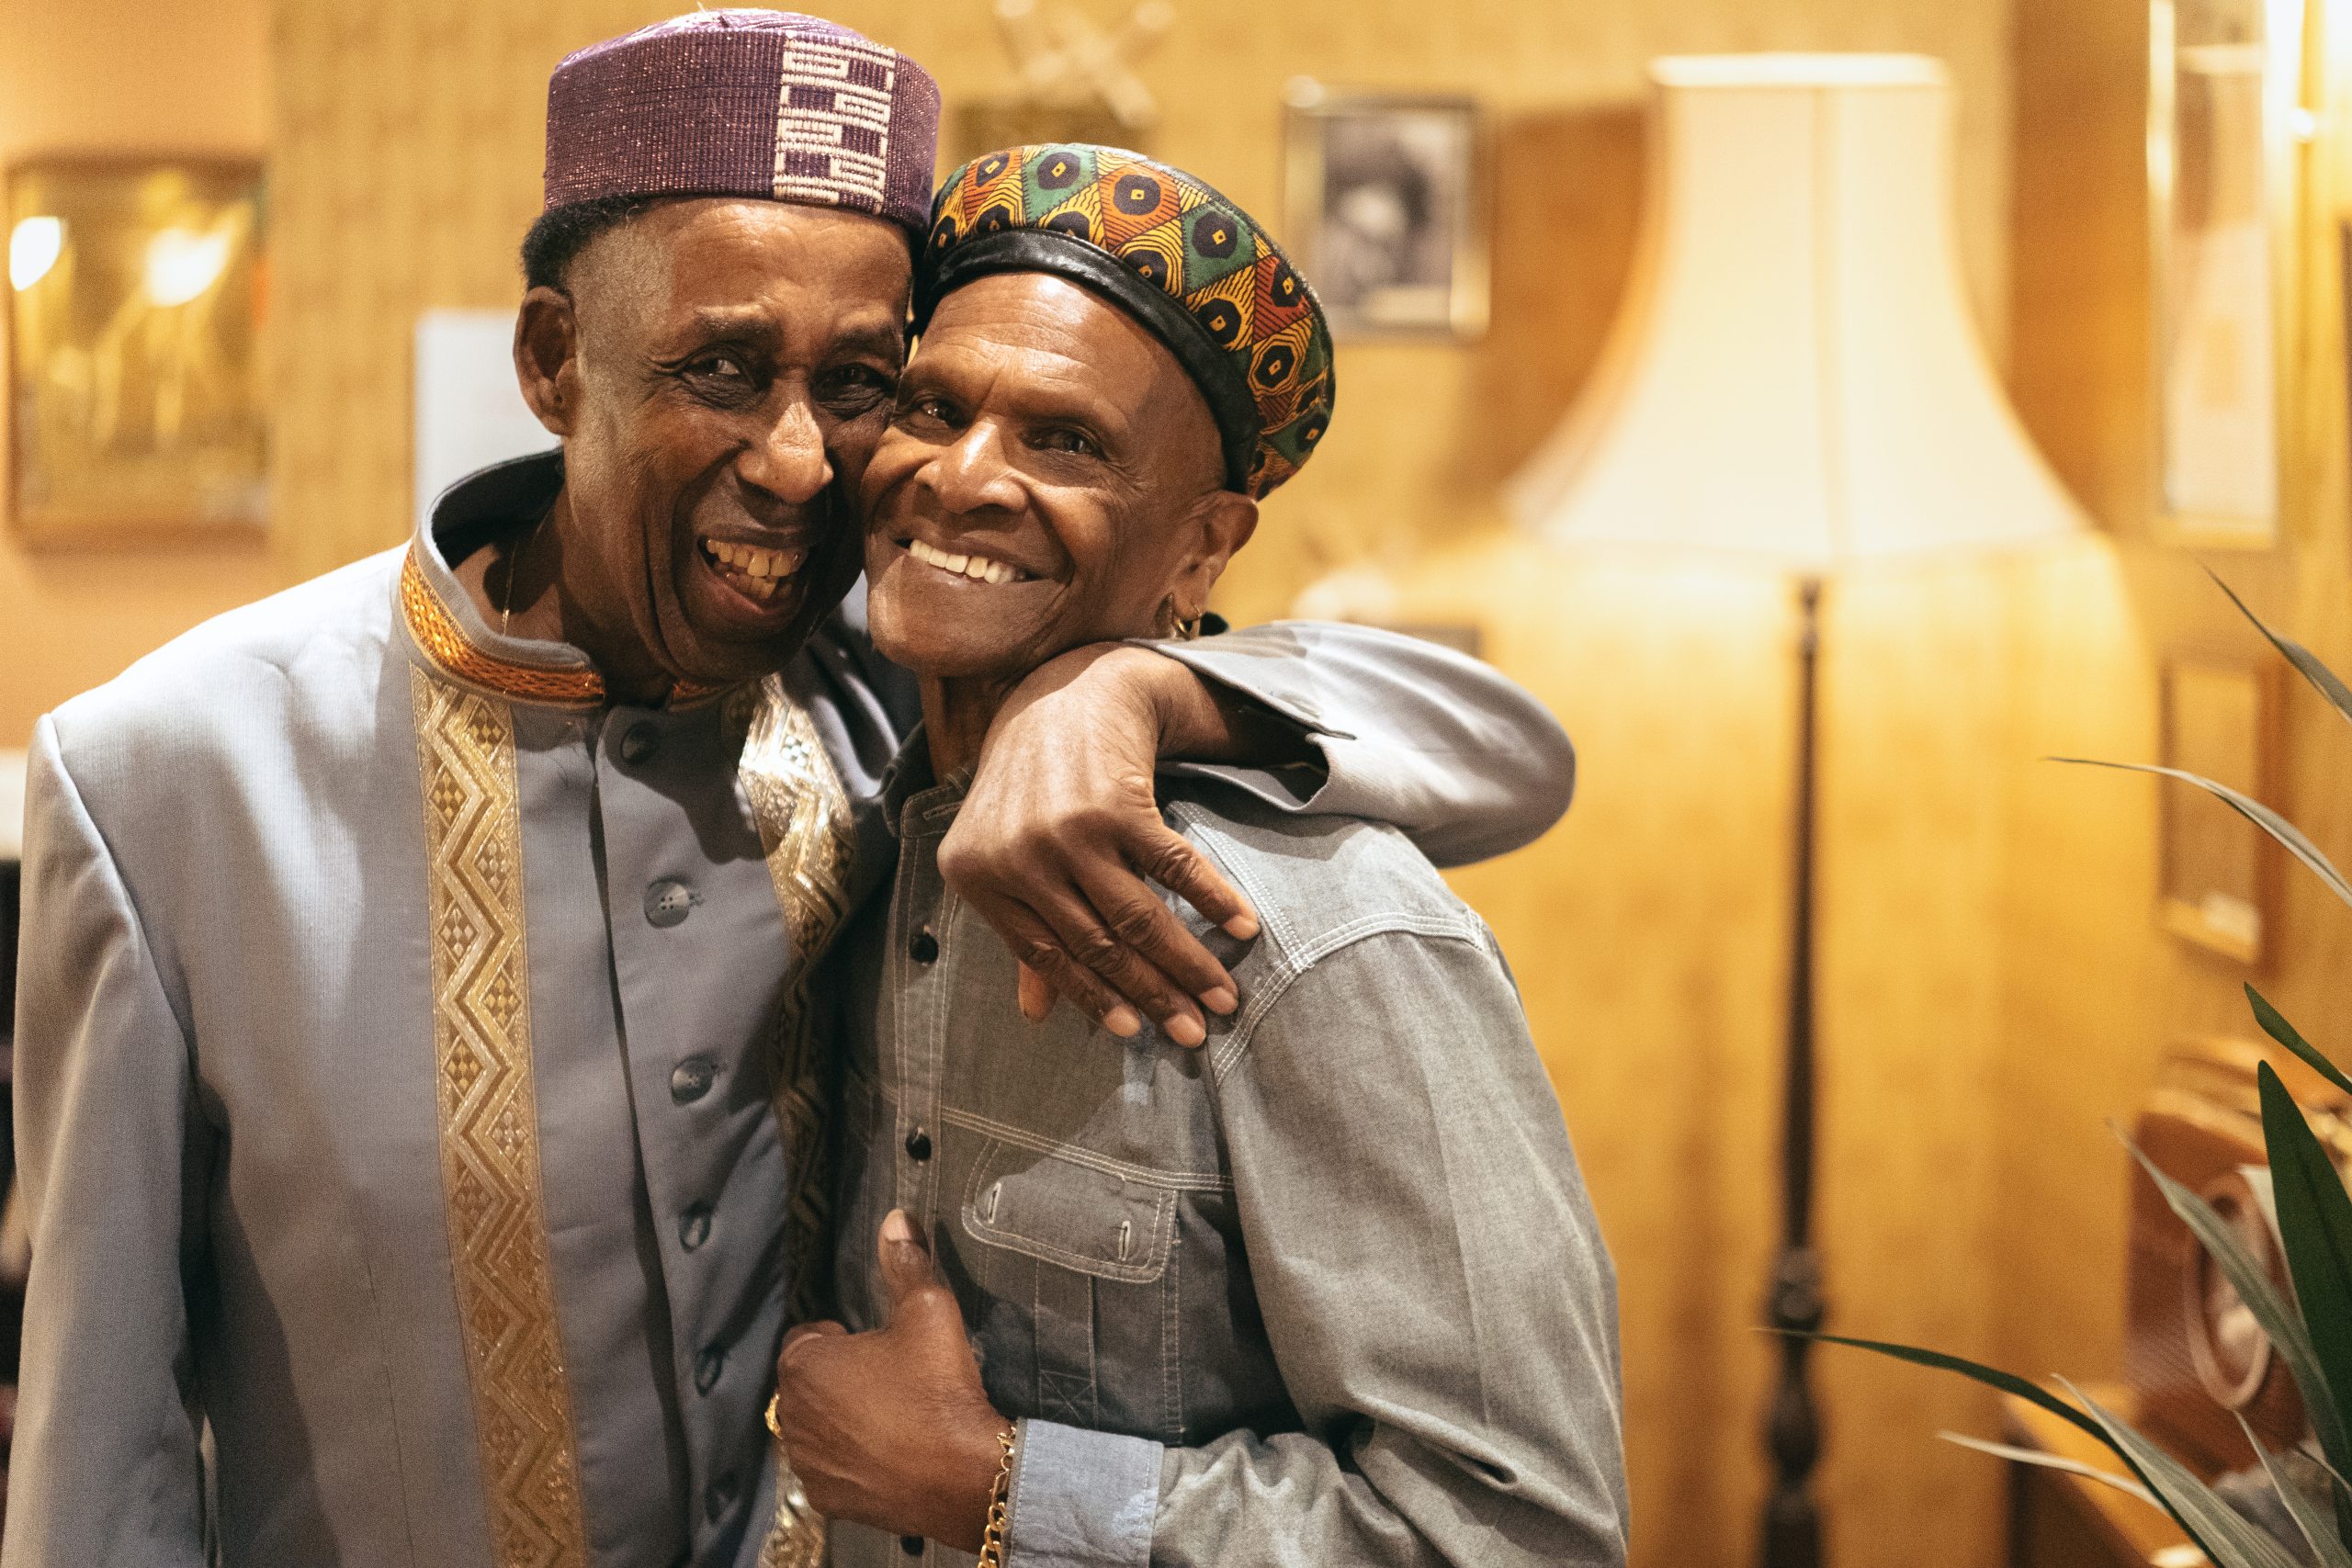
column 757, row 574
column 977, row 567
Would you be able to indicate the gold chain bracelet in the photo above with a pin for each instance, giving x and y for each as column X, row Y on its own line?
column 1000, row 1499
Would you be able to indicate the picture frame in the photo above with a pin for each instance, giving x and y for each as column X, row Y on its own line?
column 2217, row 874
column 2227, row 125
column 136, row 401
column 1385, row 210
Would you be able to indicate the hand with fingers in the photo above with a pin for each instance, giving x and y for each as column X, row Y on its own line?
column 1060, row 839
column 892, row 1428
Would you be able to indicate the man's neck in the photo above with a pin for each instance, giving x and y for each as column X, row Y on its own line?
column 955, row 718
column 524, row 586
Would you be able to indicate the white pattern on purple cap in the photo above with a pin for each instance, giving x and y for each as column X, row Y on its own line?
column 832, row 133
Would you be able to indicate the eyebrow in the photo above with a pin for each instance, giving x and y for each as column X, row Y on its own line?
column 755, row 326
column 1026, row 401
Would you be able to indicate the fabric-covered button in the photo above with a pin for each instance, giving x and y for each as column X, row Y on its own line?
column 667, row 901
column 911, row 1545
column 691, row 1078
column 715, row 1498
column 919, row 1144
column 925, row 946
column 639, row 741
column 693, row 1226
column 708, row 1366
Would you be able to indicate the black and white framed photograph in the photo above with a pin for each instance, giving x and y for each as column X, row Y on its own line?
column 1385, row 202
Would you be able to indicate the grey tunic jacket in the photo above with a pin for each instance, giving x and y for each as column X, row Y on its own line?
column 400, row 1047
column 1325, row 1291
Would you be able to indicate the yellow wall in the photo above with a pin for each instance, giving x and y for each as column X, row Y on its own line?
column 2085, row 1031
column 170, row 76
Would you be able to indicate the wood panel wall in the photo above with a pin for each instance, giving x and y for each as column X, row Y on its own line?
column 2084, row 1037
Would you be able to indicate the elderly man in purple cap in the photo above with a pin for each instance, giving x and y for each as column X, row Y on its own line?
column 420, row 1086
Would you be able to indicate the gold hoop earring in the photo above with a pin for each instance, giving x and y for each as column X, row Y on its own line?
column 1174, row 625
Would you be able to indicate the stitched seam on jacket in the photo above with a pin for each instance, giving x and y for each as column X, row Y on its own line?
column 1185, row 1181
column 1077, row 1262
column 1296, row 948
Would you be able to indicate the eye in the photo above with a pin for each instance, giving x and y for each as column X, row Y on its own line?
column 1076, row 443
column 720, row 367
column 721, row 377
column 856, row 389
column 926, row 408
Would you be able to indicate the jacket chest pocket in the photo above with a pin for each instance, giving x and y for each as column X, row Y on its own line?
column 1078, row 1322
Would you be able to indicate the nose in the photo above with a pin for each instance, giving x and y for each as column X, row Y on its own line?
column 971, row 474
column 789, row 460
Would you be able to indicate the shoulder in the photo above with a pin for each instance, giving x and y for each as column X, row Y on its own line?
column 298, row 659
column 1322, row 883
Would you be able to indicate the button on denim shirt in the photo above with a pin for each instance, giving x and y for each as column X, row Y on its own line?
column 1327, row 1290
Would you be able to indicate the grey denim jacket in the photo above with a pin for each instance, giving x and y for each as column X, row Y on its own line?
column 1325, row 1291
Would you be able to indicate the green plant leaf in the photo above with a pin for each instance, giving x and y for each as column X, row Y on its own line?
column 2253, row 811
column 2009, row 1383
column 2275, row 1025
column 2122, row 1484
column 1992, row 1377
column 2323, row 680
column 2315, row 1224
column 2318, row 1528
column 2277, row 1316
column 2228, row 1537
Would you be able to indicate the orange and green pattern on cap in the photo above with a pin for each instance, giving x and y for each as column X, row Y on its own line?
column 1185, row 239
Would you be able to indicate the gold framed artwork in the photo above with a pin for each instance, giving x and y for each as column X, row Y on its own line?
column 2226, row 129
column 1385, row 210
column 136, row 293
column 2216, row 874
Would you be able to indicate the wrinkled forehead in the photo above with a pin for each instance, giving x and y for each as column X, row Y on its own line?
column 1038, row 340
column 800, row 271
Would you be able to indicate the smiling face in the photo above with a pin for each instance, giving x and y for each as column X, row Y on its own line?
column 720, row 371
column 1051, row 478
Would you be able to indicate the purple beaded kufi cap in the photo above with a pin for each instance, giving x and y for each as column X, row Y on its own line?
column 746, row 103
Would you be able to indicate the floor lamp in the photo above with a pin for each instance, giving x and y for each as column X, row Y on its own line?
column 1795, row 377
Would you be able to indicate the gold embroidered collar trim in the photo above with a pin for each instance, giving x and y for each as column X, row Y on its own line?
column 445, row 644
column 528, row 1446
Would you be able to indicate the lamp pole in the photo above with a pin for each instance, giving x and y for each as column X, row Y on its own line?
column 1793, row 1433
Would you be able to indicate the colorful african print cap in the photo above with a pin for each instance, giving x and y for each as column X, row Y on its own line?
column 745, row 103
column 1181, row 259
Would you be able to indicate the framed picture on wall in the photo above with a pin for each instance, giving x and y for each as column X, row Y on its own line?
column 134, row 370
column 2224, row 133
column 2216, row 873
column 1385, row 207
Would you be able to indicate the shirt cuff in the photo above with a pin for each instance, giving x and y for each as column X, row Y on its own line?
column 1081, row 1499
column 1276, row 679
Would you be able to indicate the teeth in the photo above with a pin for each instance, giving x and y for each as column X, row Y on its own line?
column 762, row 568
column 977, row 567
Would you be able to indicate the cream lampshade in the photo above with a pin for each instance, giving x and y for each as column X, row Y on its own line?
column 1795, row 373
column 1795, row 378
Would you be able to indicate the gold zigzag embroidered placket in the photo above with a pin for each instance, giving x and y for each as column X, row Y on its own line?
column 489, row 1129
column 804, row 818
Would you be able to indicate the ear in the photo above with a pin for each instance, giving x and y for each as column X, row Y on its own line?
column 1222, row 522
column 547, row 358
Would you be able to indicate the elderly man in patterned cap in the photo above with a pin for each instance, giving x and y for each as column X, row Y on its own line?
column 414, row 1078
column 1328, row 1292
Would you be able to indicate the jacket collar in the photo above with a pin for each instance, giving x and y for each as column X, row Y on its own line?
column 450, row 633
